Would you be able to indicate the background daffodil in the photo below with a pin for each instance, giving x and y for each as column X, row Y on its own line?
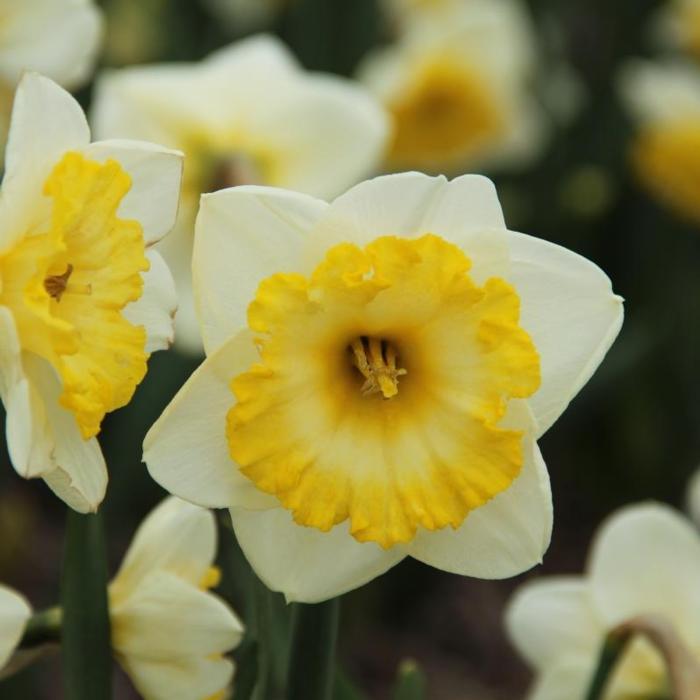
column 169, row 632
column 457, row 85
column 84, row 299
column 58, row 38
column 645, row 561
column 378, row 371
column 248, row 114
column 664, row 101
column 14, row 615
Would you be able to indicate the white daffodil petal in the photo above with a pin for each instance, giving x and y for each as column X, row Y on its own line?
column 155, row 173
column 14, row 614
column 36, row 142
column 156, row 307
column 186, row 450
column 642, row 561
column 179, row 679
column 312, row 128
column 390, row 205
column 27, row 438
column 568, row 680
column 79, row 476
column 553, row 616
column 294, row 560
column 166, row 618
column 262, row 52
column 503, row 538
column 177, row 537
column 469, row 214
column 243, row 235
column 57, row 39
column 570, row 311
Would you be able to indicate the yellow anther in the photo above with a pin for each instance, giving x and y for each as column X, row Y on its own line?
column 376, row 361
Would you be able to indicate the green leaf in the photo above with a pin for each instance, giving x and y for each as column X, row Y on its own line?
column 344, row 688
column 87, row 654
column 411, row 683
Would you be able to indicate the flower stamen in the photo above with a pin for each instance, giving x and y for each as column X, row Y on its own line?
column 376, row 361
column 55, row 285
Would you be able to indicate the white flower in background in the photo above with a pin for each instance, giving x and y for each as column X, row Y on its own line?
column 244, row 15
column 83, row 298
column 168, row 631
column 645, row 560
column 678, row 25
column 382, row 394
column 58, row 38
column 457, row 86
column 664, row 101
column 247, row 115
column 14, row 615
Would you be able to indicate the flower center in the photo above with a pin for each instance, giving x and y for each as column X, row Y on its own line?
column 320, row 421
column 68, row 285
column 446, row 114
column 376, row 361
column 55, row 285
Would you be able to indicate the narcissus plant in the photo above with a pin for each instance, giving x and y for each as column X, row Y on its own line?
column 644, row 563
column 378, row 372
column 169, row 631
column 248, row 114
column 84, row 299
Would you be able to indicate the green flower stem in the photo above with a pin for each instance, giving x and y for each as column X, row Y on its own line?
column 44, row 627
column 312, row 661
column 262, row 628
column 87, row 656
column 613, row 648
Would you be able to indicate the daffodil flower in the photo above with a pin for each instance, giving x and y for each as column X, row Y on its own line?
column 378, row 371
column 14, row 615
column 83, row 297
column 456, row 85
column 678, row 25
column 169, row 632
column 664, row 101
column 58, row 38
column 645, row 560
column 246, row 115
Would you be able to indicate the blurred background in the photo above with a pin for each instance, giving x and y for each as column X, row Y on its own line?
column 631, row 435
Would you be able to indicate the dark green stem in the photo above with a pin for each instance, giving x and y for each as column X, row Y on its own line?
column 87, row 658
column 262, row 628
column 312, row 662
column 44, row 627
column 613, row 647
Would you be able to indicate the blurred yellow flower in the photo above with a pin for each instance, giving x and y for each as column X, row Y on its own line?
column 83, row 299
column 168, row 631
column 247, row 115
column 14, row 615
column 403, row 352
column 645, row 560
column 58, row 38
column 664, row 101
column 456, row 84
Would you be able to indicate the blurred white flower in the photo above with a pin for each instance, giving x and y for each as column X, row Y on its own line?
column 645, row 560
column 664, row 101
column 248, row 114
column 58, row 38
column 458, row 86
column 168, row 631
column 83, row 298
column 14, row 615
column 376, row 406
